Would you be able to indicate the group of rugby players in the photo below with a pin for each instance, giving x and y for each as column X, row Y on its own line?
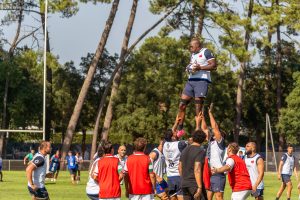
column 192, row 170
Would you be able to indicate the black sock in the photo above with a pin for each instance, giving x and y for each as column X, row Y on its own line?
column 277, row 198
column 288, row 198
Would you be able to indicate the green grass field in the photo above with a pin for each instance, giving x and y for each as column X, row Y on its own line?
column 14, row 187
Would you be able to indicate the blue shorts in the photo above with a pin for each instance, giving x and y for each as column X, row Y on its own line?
column 285, row 178
column 196, row 88
column 93, row 196
column 0, row 168
column 174, row 184
column 40, row 193
column 160, row 187
column 258, row 193
column 53, row 168
column 217, row 182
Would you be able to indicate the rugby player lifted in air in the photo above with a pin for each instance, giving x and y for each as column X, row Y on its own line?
column 201, row 63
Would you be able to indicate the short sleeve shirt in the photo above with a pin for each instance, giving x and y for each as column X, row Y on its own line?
column 188, row 158
column 230, row 163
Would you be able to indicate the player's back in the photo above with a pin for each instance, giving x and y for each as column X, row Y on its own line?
column 108, row 177
column 172, row 151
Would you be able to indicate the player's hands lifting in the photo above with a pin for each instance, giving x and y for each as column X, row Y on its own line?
column 210, row 108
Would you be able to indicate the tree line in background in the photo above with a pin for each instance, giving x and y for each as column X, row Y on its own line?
column 137, row 92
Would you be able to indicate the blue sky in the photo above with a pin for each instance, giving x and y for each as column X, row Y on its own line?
column 74, row 37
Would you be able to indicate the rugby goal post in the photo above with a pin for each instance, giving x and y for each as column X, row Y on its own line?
column 44, row 89
column 269, row 132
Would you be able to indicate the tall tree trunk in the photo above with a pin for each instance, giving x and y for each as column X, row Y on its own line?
column 117, row 78
column 192, row 20
column 87, row 82
column 107, row 87
column 12, row 48
column 279, row 71
column 49, row 98
column 239, row 95
column 202, row 5
column 4, row 118
column 267, row 67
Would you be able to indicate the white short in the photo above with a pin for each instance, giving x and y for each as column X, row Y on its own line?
column 111, row 199
column 242, row 195
column 141, row 197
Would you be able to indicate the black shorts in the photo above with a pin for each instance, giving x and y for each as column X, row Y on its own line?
column 73, row 171
column 189, row 192
column 196, row 88
column 174, row 184
column 40, row 193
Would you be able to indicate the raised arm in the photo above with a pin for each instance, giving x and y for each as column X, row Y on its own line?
column 214, row 125
column 176, row 123
column 204, row 126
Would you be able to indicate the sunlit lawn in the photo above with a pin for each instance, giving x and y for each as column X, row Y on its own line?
column 14, row 187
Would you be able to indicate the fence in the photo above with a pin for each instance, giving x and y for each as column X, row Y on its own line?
column 18, row 165
column 271, row 160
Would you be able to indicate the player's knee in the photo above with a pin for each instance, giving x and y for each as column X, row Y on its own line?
column 219, row 195
column 183, row 104
column 199, row 102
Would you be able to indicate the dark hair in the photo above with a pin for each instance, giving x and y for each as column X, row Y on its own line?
column 290, row 145
column 107, row 147
column 100, row 151
column 168, row 135
column 140, row 144
column 198, row 136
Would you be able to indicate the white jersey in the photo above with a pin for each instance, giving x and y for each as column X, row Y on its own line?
column 159, row 163
column 122, row 160
column 215, row 152
column 201, row 58
column 288, row 164
column 39, row 174
column 251, row 163
column 172, row 152
column 92, row 187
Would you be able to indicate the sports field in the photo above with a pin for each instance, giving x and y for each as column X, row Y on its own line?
column 14, row 187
